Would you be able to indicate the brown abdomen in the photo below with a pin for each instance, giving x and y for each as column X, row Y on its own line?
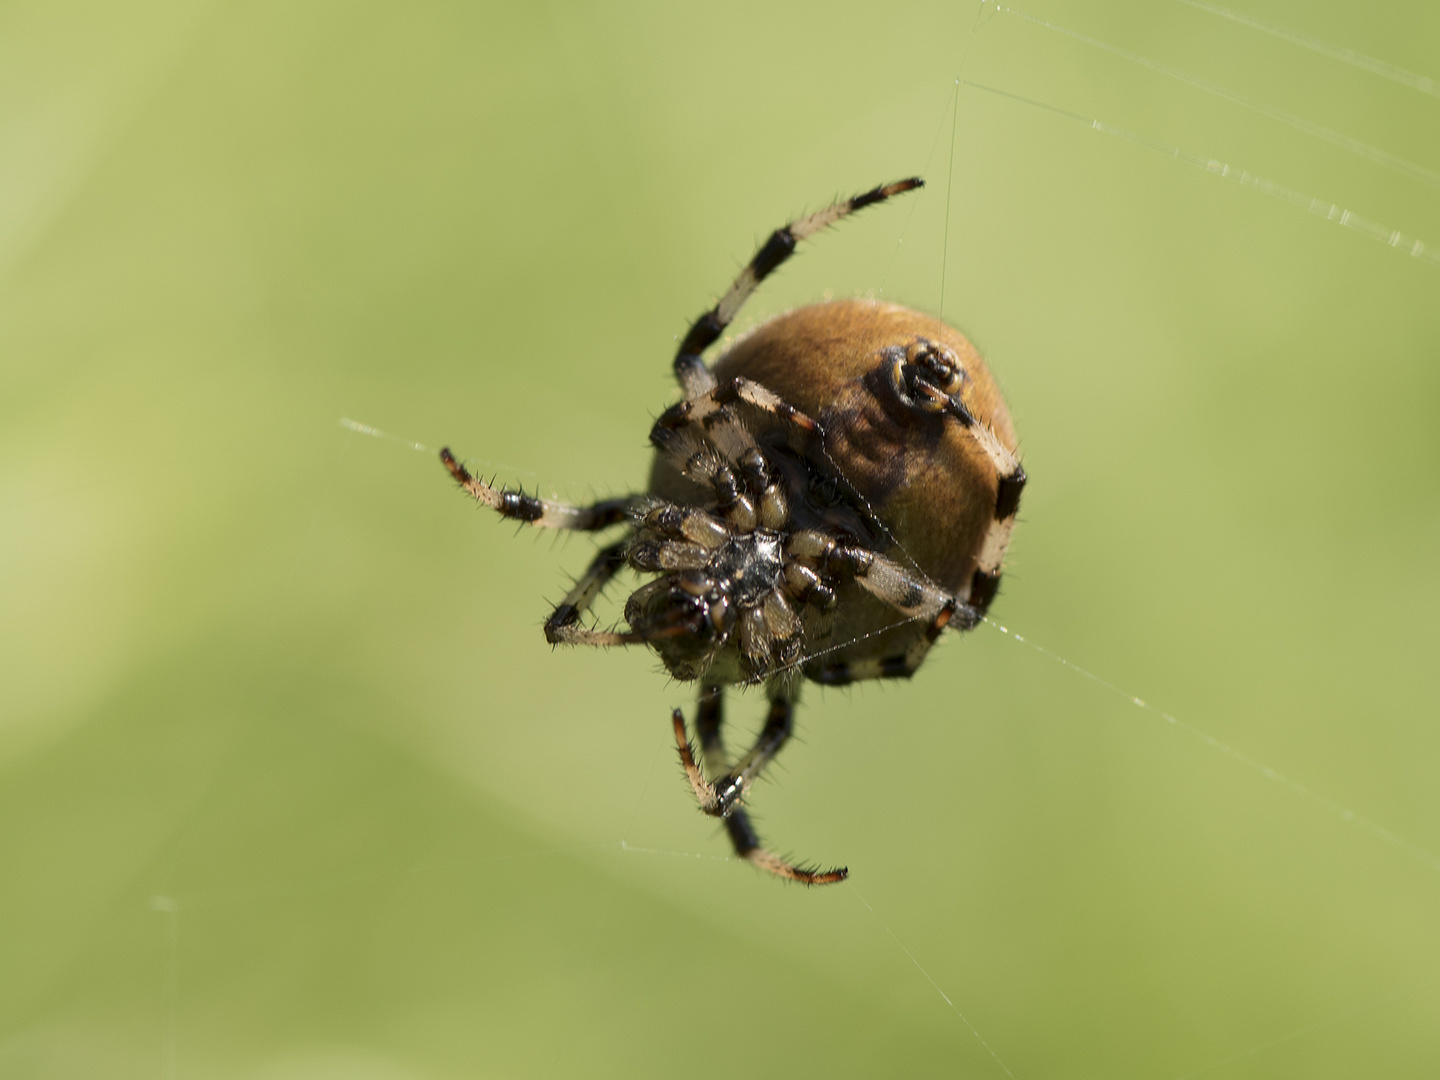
column 923, row 476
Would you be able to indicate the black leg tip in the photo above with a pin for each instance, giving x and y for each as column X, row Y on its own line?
column 454, row 467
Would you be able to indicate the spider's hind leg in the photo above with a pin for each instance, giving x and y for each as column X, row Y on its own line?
column 747, row 845
column 721, row 799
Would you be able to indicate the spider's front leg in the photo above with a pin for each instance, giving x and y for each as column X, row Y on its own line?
column 712, row 406
column 544, row 513
column 722, row 798
column 690, row 370
column 562, row 627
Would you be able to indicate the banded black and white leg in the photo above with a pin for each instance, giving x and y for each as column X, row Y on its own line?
column 1010, row 477
column 544, row 513
column 716, row 450
column 908, row 592
column 929, row 378
column 709, row 722
column 714, row 405
column 690, row 368
column 722, row 798
column 562, row 628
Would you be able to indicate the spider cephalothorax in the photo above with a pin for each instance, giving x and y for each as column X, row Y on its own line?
column 825, row 501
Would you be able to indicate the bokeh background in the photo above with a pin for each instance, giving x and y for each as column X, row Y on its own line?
column 290, row 783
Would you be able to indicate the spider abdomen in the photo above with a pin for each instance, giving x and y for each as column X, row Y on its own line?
column 922, row 474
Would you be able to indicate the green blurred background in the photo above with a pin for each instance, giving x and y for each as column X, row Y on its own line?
column 290, row 783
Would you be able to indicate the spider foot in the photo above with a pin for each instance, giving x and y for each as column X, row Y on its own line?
column 723, row 800
column 748, row 847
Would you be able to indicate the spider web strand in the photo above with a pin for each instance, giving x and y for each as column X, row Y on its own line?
column 1361, row 822
column 1299, row 123
column 1422, row 83
column 1348, row 219
column 943, row 996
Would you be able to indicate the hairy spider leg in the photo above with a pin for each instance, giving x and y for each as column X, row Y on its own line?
column 698, row 458
column 722, row 442
column 694, row 377
column 709, row 721
column 544, row 513
column 732, row 787
column 915, row 383
column 909, row 593
column 709, row 718
column 674, row 521
column 706, row 457
column 711, row 406
column 748, row 846
column 985, row 581
column 712, row 413
column 580, row 635
column 743, row 836
column 561, row 628
column 607, row 563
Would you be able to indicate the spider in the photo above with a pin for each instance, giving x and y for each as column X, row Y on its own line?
column 829, row 496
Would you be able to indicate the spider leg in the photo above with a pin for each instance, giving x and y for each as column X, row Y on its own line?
column 985, row 581
column 544, row 513
column 929, row 379
column 709, row 407
column 580, row 635
column 702, row 433
column 709, row 718
column 708, row 442
column 734, row 785
column 722, row 800
column 563, row 628
column 908, row 593
column 690, row 369
column 606, row 564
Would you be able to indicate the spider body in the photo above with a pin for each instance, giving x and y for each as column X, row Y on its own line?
column 885, row 458
column 837, row 490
